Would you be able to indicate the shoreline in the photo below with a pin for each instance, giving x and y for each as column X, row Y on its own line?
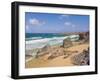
column 69, row 53
column 60, row 60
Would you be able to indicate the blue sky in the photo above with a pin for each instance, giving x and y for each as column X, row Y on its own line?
column 55, row 23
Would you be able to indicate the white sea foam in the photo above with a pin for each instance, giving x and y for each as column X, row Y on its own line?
column 39, row 43
column 45, row 40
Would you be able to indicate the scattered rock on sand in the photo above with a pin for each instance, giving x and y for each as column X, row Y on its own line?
column 55, row 53
column 66, row 56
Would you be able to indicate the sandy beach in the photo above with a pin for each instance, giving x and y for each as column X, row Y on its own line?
column 61, row 59
column 56, row 40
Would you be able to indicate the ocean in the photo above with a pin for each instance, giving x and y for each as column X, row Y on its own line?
column 39, row 40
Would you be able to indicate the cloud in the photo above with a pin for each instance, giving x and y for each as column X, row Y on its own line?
column 67, row 23
column 70, row 24
column 36, row 22
column 63, row 16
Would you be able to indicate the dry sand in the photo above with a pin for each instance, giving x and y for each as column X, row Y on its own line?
column 58, row 61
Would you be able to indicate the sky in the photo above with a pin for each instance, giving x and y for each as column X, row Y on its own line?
column 55, row 23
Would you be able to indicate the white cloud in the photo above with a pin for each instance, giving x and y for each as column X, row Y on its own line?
column 36, row 22
column 63, row 16
column 70, row 24
column 67, row 23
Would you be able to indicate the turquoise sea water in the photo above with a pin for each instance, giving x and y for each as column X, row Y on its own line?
column 39, row 40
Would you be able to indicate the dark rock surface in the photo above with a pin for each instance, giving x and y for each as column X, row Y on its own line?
column 84, row 36
column 82, row 58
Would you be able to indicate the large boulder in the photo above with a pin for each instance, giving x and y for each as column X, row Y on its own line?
column 82, row 58
column 81, row 36
column 84, row 36
column 67, row 43
column 44, row 50
column 31, row 53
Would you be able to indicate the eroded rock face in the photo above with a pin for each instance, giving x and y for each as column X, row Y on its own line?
column 31, row 53
column 82, row 58
column 67, row 43
column 43, row 51
column 84, row 36
column 45, row 48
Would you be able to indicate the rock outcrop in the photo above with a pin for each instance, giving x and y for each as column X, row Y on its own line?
column 67, row 43
column 84, row 36
column 56, row 53
column 45, row 48
column 43, row 51
column 82, row 58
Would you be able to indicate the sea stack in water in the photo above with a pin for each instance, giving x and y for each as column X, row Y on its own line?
column 67, row 43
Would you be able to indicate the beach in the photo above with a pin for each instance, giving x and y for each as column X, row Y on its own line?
column 64, row 58
column 56, row 40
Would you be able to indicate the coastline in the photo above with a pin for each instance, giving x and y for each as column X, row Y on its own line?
column 59, row 60
column 59, row 51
